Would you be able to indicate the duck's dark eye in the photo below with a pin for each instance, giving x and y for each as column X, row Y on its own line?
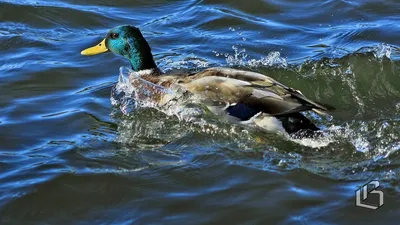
column 114, row 35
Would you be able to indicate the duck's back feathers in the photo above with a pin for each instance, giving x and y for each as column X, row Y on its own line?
column 252, row 89
column 248, row 94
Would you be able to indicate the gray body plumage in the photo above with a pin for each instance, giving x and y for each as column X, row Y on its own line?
column 247, row 96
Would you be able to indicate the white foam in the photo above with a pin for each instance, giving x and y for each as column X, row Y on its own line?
column 380, row 51
column 240, row 58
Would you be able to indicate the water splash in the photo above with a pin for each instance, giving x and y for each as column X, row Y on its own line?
column 121, row 93
column 376, row 139
column 240, row 58
column 272, row 59
column 144, row 94
column 380, row 51
column 191, row 61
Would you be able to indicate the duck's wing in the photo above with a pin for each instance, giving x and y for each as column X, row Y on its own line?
column 245, row 89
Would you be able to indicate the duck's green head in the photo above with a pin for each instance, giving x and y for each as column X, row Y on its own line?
column 128, row 42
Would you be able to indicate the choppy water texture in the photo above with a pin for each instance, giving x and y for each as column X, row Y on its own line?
column 68, row 156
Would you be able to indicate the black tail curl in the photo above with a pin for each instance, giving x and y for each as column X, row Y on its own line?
column 296, row 122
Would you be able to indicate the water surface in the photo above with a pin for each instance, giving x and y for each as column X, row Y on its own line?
column 68, row 156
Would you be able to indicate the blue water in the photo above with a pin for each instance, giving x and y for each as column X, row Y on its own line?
column 69, row 156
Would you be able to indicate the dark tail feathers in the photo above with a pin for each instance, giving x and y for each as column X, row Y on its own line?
column 297, row 122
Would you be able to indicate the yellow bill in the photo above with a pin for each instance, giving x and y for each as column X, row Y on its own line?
column 97, row 49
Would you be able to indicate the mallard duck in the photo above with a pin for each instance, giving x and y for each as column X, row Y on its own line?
column 244, row 95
